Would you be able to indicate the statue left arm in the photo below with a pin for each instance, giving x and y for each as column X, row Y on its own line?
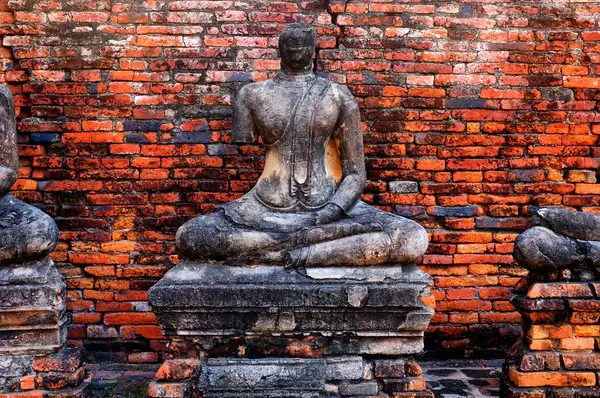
column 9, row 157
column 243, row 126
column 349, row 139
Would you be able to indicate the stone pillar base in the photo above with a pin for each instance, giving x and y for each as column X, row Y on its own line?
column 58, row 375
column 559, row 354
column 267, row 332
column 277, row 377
column 34, row 361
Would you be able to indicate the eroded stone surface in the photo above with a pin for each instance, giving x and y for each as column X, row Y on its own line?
column 263, row 375
column 197, row 299
column 563, row 245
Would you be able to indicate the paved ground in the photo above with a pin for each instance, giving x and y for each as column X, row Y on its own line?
column 463, row 378
column 119, row 380
column 448, row 379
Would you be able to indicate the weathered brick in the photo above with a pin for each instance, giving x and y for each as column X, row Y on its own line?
column 551, row 379
column 178, row 369
column 552, row 290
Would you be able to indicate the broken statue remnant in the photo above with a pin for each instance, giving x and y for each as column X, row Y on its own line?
column 298, row 288
column 558, row 354
column 26, row 233
column 563, row 244
column 33, row 316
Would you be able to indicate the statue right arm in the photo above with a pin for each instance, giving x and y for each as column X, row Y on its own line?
column 243, row 125
column 9, row 156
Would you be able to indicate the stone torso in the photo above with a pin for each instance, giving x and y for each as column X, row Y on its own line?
column 295, row 176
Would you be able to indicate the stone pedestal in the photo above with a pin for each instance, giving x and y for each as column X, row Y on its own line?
column 265, row 331
column 33, row 320
column 559, row 353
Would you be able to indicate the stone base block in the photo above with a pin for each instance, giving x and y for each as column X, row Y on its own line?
column 33, row 359
column 196, row 299
column 61, row 374
column 344, row 376
column 32, row 308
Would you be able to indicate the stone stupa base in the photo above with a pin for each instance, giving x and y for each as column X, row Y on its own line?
column 559, row 353
column 33, row 358
column 269, row 332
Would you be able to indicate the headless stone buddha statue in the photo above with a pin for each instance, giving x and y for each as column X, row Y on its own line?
column 304, row 210
column 26, row 233
column 561, row 241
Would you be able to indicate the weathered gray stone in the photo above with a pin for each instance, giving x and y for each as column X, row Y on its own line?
column 404, row 187
column 12, row 368
column 561, row 239
column 257, row 375
column 15, row 365
column 33, row 316
column 264, row 394
column 304, row 210
column 377, row 346
column 51, row 294
column 102, row 332
column 369, row 274
column 344, row 368
column 9, row 156
column 368, row 388
column 197, row 299
column 26, row 233
column 33, row 272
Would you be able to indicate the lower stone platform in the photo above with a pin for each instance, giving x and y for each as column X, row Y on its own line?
column 33, row 358
column 32, row 308
column 57, row 375
column 265, row 331
column 349, row 376
column 559, row 354
column 458, row 378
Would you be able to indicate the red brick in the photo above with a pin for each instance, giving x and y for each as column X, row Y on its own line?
column 130, row 318
column 549, row 290
column 178, row 369
column 173, row 390
column 576, row 344
column 552, row 379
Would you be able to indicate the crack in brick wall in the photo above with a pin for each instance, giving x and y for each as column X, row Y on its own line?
column 474, row 115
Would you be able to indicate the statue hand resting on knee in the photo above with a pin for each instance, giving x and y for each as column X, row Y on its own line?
column 305, row 208
column 26, row 233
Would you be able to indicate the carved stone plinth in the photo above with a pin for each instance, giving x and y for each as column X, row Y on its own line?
column 559, row 353
column 272, row 332
column 33, row 332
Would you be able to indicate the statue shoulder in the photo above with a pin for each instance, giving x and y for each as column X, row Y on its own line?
column 253, row 87
column 250, row 92
column 344, row 96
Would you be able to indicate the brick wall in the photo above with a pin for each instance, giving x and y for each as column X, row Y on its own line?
column 474, row 113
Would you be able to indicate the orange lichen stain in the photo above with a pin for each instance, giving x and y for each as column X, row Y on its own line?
column 332, row 161
column 429, row 301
